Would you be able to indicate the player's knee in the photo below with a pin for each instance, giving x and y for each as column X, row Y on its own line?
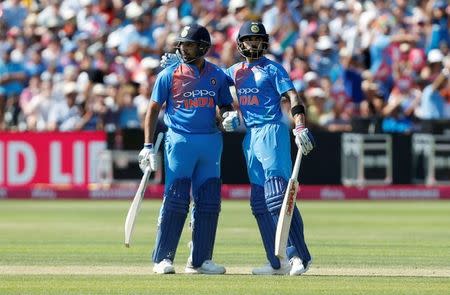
column 257, row 200
column 176, row 198
column 274, row 188
column 207, row 196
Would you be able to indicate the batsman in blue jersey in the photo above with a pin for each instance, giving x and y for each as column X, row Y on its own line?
column 260, row 85
column 191, row 91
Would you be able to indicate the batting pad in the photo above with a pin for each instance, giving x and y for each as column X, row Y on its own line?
column 173, row 214
column 265, row 222
column 297, row 244
column 274, row 188
column 205, row 215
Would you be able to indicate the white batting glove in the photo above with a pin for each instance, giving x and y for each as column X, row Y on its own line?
column 230, row 121
column 147, row 158
column 169, row 59
column 303, row 139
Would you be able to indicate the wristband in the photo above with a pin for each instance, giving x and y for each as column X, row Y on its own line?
column 298, row 109
column 299, row 126
column 148, row 145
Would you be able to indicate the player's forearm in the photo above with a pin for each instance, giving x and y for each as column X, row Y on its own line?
column 297, row 107
column 151, row 119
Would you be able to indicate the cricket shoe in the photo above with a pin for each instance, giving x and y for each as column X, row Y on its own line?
column 267, row 269
column 164, row 267
column 298, row 267
column 208, row 268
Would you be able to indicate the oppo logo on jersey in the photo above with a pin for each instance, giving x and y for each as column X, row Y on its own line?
column 247, row 97
column 246, row 91
column 202, row 92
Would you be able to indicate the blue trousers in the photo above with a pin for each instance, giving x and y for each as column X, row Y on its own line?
column 191, row 161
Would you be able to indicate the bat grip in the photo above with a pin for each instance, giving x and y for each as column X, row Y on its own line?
column 158, row 141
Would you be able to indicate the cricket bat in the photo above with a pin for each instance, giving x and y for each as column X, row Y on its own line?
column 285, row 218
column 135, row 205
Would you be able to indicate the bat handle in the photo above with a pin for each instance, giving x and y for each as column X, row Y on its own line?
column 159, row 139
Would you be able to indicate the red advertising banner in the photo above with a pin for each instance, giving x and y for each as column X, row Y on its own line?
column 53, row 158
column 233, row 192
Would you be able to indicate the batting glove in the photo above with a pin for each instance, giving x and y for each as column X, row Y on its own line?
column 303, row 139
column 169, row 59
column 230, row 121
column 147, row 158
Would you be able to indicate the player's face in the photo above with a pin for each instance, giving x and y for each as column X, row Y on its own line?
column 189, row 50
column 253, row 43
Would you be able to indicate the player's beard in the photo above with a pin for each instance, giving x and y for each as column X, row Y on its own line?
column 186, row 57
column 251, row 49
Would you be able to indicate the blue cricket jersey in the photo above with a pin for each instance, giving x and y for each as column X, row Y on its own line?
column 259, row 87
column 191, row 96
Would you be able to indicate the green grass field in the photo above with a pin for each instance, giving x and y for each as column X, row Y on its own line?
column 76, row 247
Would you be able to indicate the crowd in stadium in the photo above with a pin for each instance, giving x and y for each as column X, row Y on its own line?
column 91, row 64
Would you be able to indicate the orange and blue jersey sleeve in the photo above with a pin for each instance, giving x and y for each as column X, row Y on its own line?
column 229, row 75
column 224, row 91
column 282, row 81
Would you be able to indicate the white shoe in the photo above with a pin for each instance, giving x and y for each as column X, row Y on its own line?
column 208, row 267
column 164, row 267
column 297, row 266
column 267, row 269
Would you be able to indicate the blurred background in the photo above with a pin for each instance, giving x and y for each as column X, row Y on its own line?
column 76, row 76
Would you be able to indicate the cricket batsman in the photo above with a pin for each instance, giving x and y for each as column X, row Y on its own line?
column 191, row 91
column 260, row 85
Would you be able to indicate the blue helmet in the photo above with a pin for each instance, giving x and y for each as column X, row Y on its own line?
column 252, row 29
column 197, row 34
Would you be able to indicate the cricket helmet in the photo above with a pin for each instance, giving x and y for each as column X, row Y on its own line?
column 252, row 29
column 197, row 34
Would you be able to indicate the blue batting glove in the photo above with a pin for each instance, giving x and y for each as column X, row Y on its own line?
column 304, row 139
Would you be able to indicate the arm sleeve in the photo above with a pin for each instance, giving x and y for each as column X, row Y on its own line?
column 229, row 76
column 225, row 97
column 282, row 81
column 163, row 85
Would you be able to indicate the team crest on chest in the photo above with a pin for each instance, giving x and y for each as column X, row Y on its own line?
column 213, row 81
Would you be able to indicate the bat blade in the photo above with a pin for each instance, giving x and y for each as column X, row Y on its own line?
column 285, row 218
column 135, row 205
column 287, row 208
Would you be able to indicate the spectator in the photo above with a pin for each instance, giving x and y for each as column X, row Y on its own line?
column 128, row 113
column 65, row 115
column 432, row 105
column 324, row 61
column 351, row 76
column 14, row 13
column 12, row 82
column 36, row 111
column 94, row 39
